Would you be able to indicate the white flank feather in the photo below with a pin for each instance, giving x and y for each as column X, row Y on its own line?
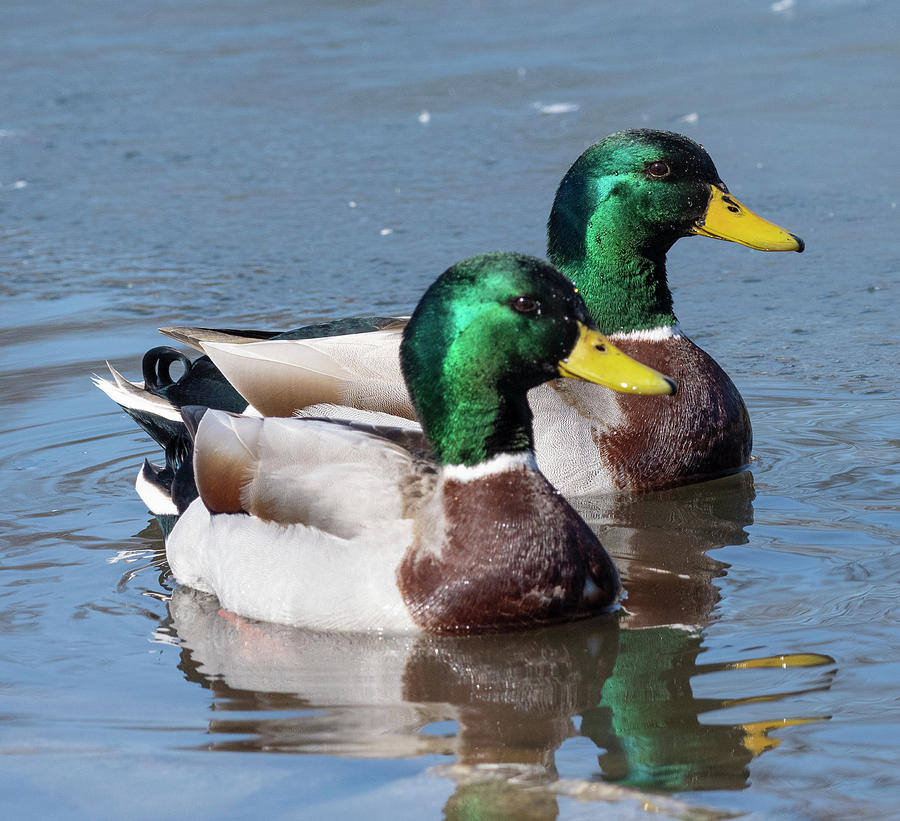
column 288, row 574
column 568, row 415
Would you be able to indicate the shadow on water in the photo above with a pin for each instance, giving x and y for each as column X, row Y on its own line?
column 503, row 706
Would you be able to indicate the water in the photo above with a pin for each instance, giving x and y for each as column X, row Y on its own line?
column 270, row 163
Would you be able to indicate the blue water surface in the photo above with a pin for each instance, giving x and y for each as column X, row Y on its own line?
column 265, row 164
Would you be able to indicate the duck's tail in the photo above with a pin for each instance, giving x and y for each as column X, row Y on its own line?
column 155, row 403
column 168, row 489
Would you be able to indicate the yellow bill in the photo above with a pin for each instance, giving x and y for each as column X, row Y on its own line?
column 595, row 359
column 727, row 219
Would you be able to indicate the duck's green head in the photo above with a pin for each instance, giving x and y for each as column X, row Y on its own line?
column 622, row 205
column 489, row 329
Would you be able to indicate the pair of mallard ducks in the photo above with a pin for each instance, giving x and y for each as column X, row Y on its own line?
column 357, row 525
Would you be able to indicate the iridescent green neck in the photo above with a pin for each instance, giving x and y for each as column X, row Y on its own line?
column 470, row 422
column 470, row 408
column 624, row 289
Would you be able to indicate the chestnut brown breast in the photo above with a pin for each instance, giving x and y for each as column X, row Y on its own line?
column 663, row 441
column 513, row 555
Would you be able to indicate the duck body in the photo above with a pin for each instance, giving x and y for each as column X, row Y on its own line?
column 503, row 551
column 342, row 525
column 616, row 213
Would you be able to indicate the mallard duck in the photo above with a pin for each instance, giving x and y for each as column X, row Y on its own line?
column 617, row 211
column 336, row 525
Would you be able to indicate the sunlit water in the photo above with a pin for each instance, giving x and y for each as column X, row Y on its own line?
column 267, row 164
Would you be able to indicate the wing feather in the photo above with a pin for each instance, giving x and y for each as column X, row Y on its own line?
column 279, row 376
column 194, row 337
column 304, row 471
column 226, row 450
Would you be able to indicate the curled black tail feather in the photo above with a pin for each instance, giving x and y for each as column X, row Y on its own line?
column 155, row 368
column 202, row 383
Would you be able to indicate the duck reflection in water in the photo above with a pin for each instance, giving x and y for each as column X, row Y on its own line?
column 502, row 705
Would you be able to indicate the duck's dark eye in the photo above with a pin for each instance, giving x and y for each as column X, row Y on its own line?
column 658, row 170
column 526, row 305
